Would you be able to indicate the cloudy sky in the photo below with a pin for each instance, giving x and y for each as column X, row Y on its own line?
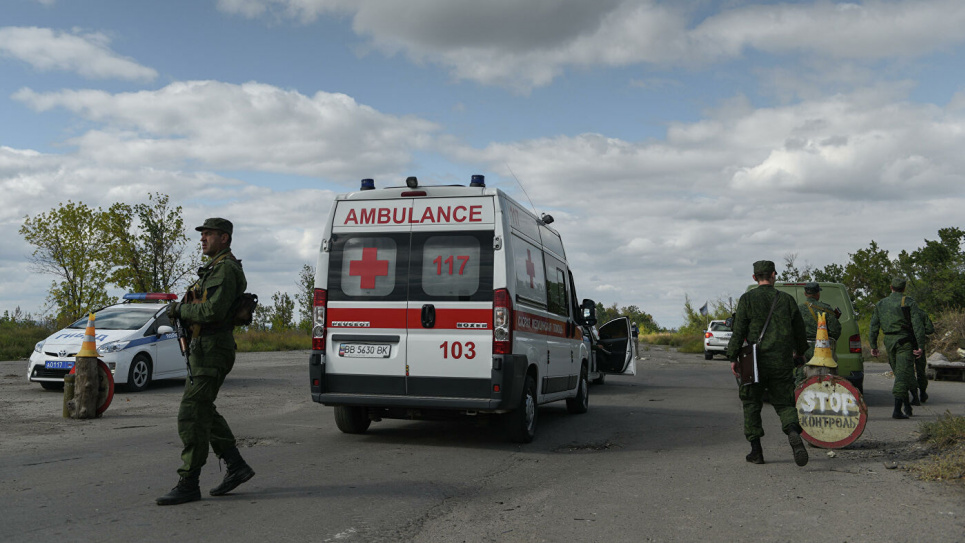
column 674, row 142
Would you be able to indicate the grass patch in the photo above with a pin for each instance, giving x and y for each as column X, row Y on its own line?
column 947, row 435
column 685, row 343
column 17, row 339
column 264, row 340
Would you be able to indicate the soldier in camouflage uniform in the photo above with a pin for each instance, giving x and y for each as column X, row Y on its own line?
column 809, row 312
column 778, row 353
column 921, row 364
column 208, row 310
column 899, row 318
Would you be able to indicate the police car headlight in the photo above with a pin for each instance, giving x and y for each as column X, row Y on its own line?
column 112, row 347
column 39, row 347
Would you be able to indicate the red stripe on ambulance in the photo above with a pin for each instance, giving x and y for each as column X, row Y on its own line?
column 455, row 319
column 343, row 317
column 536, row 324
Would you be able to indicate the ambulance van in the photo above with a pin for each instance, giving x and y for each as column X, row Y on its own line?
column 437, row 302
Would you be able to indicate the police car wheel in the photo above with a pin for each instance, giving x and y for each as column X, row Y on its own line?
column 580, row 403
column 139, row 374
column 51, row 385
column 352, row 420
column 521, row 422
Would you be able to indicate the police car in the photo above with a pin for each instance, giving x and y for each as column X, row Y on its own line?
column 135, row 340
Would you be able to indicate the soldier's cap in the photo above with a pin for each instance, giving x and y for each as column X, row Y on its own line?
column 898, row 282
column 216, row 223
column 812, row 288
column 763, row 267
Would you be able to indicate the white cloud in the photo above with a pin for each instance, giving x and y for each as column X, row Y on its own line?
column 523, row 45
column 250, row 126
column 88, row 54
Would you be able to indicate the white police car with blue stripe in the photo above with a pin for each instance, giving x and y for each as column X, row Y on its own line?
column 135, row 340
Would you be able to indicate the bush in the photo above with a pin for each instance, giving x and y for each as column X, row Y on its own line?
column 684, row 342
column 17, row 339
column 949, row 333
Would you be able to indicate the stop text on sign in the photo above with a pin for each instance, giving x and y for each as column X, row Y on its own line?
column 820, row 402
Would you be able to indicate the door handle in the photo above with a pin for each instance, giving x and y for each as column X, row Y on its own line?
column 428, row 316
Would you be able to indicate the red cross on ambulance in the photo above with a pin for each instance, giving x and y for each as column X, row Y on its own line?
column 369, row 267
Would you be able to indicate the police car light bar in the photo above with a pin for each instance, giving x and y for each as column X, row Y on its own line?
column 150, row 296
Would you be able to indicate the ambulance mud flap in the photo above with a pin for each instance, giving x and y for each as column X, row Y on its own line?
column 509, row 372
column 316, row 375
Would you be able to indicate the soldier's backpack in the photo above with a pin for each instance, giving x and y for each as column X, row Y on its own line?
column 243, row 310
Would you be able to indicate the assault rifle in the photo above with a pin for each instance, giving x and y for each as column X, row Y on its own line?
column 184, row 342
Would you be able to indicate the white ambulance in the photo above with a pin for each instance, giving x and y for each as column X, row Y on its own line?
column 441, row 301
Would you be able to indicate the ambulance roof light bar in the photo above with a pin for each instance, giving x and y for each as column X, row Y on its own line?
column 478, row 181
column 150, row 296
column 368, row 184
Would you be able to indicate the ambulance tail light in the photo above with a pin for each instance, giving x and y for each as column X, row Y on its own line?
column 319, row 306
column 854, row 343
column 502, row 322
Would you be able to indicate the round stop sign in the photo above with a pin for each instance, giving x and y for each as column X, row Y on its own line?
column 831, row 411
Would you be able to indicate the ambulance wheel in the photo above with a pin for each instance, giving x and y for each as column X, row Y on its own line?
column 521, row 422
column 581, row 402
column 352, row 420
column 139, row 374
column 52, row 385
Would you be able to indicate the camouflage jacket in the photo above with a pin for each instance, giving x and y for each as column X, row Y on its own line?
column 889, row 318
column 809, row 312
column 785, row 334
column 210, row 299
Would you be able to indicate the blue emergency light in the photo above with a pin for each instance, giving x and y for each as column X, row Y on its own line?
column 150, row 296
column 368, row 184
column 478, row 181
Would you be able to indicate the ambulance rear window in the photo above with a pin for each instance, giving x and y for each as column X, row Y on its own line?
column 364, row 267
column 452, row 266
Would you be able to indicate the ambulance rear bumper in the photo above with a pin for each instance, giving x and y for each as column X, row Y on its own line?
column 502, row 392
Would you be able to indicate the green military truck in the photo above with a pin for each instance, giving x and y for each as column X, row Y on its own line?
column 848, row 347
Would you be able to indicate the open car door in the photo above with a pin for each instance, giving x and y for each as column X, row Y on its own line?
column 615, row 351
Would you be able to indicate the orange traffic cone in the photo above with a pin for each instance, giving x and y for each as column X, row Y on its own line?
column 89, row 348
column 822, row 345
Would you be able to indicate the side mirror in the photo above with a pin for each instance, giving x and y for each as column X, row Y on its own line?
column 164, row 330
column 589, row 312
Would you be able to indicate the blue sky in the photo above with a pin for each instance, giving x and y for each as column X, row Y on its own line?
column 676, row 143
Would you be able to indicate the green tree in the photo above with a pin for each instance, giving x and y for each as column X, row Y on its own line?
column 868, row 276
column 832, row 273
column 72, row 243
column 282, row 312
column 305, row 298
column 791, row 273
column 151, row 248
column 936, row 271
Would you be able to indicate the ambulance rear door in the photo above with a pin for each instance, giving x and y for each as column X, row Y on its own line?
column 617, row 353
column 450, row 315
column 368, row 276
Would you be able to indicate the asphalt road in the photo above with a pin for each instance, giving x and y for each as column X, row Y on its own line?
column 659, row 457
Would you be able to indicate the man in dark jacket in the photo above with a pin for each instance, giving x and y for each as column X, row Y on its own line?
column 780, row 349
column 207, row 310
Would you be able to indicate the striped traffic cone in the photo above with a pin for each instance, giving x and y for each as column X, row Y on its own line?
column 88, row 349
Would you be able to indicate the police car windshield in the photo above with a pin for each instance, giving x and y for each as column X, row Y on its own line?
column 118, row 318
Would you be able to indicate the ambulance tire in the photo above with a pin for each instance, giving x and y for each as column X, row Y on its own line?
column 351, row 419
column 581, row 402
column 521, row 422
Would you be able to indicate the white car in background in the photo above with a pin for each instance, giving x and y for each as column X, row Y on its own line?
column 716, row 338
column 135, row 340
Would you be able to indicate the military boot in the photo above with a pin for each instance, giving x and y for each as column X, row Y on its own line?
column 237, row 471
column 924, row 396
column 187, row 490
column 914, row 397
column 756, row 456
column 897, row 414
column 797, row 445
column 907, row 407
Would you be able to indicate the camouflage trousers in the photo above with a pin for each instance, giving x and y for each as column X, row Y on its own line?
column 921, row 365
column 778, row 381
column 902, row 361
column 199, row 423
